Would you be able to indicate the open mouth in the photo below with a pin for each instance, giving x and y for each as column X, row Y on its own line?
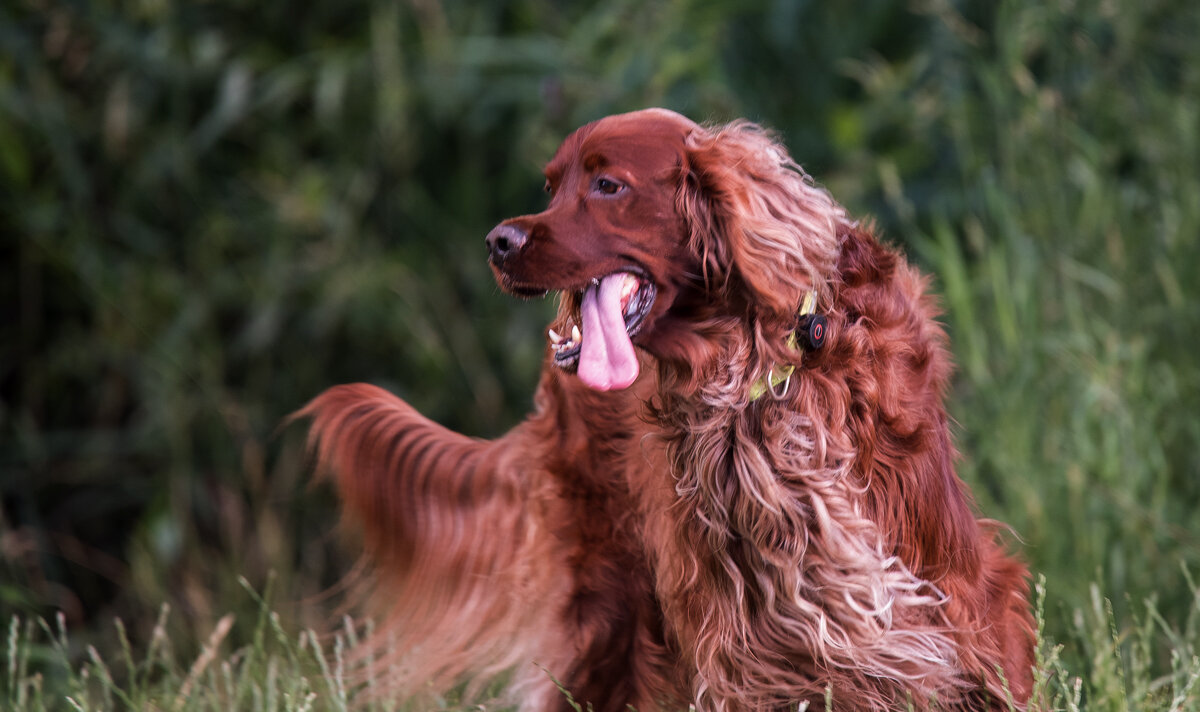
column 593, row 333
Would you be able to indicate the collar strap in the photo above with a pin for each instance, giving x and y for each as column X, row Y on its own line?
column 809, row 335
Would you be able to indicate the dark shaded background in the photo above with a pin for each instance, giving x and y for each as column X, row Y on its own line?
column 212, row 211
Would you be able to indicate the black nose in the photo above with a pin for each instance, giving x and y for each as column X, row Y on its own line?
column 504, row 241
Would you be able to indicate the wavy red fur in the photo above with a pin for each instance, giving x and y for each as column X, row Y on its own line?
column 680, row 541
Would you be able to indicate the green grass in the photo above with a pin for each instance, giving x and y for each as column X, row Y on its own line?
column 1150, row 665
column 274, row 668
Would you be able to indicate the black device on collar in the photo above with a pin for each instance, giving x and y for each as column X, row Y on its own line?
column 810, row 331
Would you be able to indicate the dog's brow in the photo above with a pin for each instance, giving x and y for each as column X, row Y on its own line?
column 594, row 161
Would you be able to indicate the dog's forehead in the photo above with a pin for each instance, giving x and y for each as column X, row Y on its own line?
column 650, row 138
column 661, row 122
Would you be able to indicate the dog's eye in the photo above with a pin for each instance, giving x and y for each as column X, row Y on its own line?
column 548, row 188
column 608, row 187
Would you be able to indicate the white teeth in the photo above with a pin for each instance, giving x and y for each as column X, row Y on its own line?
column 562, row 343
column 628, row 289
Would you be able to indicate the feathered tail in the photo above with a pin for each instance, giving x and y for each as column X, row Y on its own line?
column 453, row 529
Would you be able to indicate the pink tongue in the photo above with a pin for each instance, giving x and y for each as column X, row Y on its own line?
column 606, row 357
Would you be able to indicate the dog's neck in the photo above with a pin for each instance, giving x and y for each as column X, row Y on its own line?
column 809, row 335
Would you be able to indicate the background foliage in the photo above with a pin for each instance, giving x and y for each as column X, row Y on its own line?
column 211, row 211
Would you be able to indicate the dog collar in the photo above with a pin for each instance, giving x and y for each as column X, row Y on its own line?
column 809, row 335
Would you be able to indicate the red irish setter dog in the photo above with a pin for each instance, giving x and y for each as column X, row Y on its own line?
column 737, row 487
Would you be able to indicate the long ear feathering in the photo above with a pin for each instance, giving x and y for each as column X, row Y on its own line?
column 786, row 519
column 757, row 217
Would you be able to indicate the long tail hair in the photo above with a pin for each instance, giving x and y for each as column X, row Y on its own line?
column 450, row 527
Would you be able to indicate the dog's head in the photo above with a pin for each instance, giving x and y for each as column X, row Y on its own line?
column 660, row 233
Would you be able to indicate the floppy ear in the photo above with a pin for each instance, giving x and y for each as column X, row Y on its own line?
column 756, row 219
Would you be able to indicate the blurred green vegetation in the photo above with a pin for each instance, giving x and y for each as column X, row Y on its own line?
column 211, row 211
